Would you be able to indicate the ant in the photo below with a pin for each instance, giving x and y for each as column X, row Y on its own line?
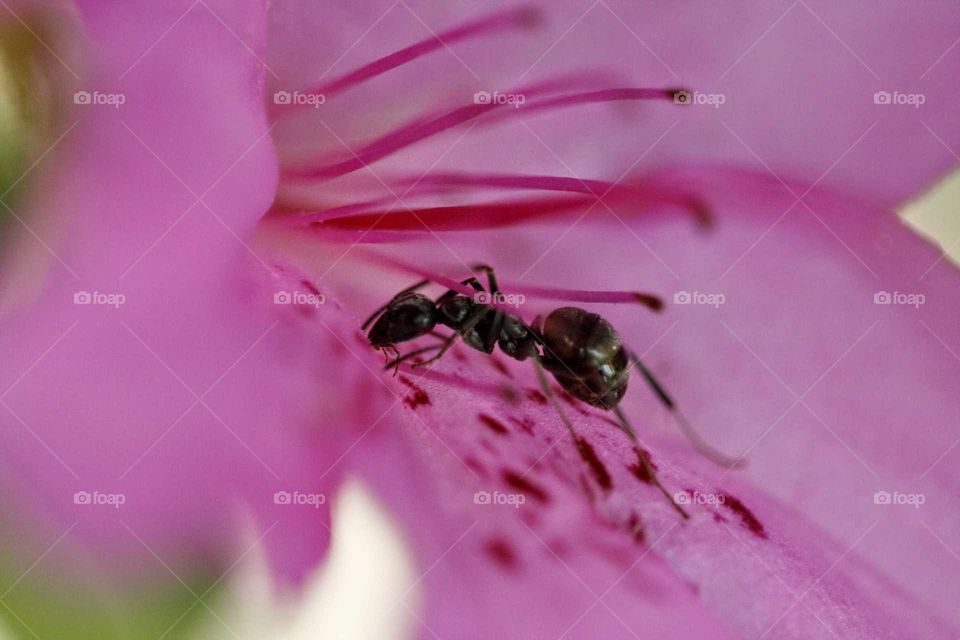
column 582, row 351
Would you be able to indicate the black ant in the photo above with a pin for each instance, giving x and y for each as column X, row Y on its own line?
column 582, row 350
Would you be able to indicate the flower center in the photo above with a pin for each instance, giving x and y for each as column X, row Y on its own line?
column 31, row 87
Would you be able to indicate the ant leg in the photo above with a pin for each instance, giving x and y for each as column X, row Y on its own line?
column 395, row 363
column 647, row 469
column 474, row 318
column 698, row 443
column 373, row 316
column 547, row 391
column 491, row 277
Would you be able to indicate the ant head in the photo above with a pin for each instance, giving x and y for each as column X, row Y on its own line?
column 407, row 317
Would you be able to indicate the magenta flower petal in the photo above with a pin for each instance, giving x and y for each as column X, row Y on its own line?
column 153, row 363
column 821, row 62
column 175, row 360
column 811, row 337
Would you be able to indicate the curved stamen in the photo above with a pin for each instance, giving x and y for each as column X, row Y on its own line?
column 637, row 192
column 648, row 300
column 518, row 17
column 513, row 18
column 410, row 134
column 591, row 97
column 515, row 181
column 460, row 217
column 635, row 187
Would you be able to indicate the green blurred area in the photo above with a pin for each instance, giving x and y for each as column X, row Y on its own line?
column 31, row 95
column 42, row 605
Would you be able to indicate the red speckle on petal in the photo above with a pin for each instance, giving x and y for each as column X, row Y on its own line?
column 502, row 553
column 499, row 366
column 312, row 288
column 475, row 466
column 635, row 528
column 638, row 469
column 493, row 424
column 508, row 393
column 417, row 396
column 530, row 517
column 600, row 473
column 536, row 396
column 750, row 520
column 525, row 486
column 526, row 424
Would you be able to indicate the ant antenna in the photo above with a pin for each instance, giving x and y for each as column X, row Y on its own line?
column 698, row 443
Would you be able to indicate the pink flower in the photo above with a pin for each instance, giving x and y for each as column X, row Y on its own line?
column 185, row 362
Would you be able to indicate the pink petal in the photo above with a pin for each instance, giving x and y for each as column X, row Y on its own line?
column 800, row 548
column 195, row 397
column 819, row 62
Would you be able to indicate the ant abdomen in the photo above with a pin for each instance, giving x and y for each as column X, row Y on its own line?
column 586, row 356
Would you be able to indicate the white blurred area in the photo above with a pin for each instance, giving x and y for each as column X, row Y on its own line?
column 367, row 589
column 936, row 215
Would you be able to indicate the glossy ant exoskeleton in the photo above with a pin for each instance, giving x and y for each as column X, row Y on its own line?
column 582, row 351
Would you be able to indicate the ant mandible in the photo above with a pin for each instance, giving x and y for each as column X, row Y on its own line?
column 582, row 351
